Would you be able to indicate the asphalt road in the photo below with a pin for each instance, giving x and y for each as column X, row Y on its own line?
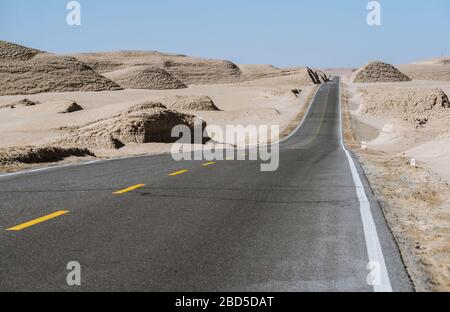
column 226, row 226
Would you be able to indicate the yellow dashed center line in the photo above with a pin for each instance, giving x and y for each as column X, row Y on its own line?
column 209, row 164
column 131, row 188
column 37, row 221
column 177, row 173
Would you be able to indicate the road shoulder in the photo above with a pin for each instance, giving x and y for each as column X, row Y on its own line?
column 413, row 203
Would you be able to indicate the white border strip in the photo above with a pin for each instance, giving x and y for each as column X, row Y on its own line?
column 303, row 119
column 294, row 132
column 374, row 250
column 5, row 175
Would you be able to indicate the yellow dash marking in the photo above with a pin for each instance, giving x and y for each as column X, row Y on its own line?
column 36, row 221
column 209, row 164
column 131, row 188
column 178, row 173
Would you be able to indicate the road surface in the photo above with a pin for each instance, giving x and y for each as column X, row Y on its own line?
column 187, row 226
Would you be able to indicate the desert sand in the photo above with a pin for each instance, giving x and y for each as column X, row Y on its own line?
column 126, row 103
column 437, row 69
column 403, row 123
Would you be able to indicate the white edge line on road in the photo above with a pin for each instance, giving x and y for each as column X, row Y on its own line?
column 374, row 250
column 50, row 168
column 87, row 163
column 276, row 144
column 303, row 119
column 252, row 148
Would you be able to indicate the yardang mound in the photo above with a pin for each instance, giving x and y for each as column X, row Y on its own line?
column 304, row 75
column 26, row 102
column 150, row 124
column 36, row 155
column 13, row 52
column 191, row 103
column 196, row 71
column 28, row 71
column 68, row 107
column 145, row 77
column 379, row 72
column 189, row 70
column 148, row 105
column 416, row 106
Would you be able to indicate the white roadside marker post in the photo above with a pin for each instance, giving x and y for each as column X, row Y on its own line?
column 364, row 145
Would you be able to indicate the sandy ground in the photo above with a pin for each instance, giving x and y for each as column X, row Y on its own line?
column 415, row 199
column 437, row 69
column 266, row 101
column 338, row 71
column 70, row 106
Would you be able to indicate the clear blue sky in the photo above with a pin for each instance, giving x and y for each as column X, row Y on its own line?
column 318, row 33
